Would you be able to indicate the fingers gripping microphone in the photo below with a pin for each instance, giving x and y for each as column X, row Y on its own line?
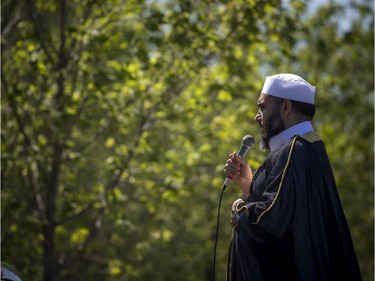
column 247, row 144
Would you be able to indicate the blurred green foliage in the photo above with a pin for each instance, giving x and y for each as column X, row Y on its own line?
column 118, row 116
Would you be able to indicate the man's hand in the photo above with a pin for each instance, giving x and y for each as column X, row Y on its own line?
column 239, row 172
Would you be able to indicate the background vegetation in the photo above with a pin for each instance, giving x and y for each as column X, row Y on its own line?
column 118, row 116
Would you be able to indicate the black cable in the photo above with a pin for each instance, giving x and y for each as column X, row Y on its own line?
column 217, row 234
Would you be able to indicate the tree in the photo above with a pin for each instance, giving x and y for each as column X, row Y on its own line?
column 117, row 119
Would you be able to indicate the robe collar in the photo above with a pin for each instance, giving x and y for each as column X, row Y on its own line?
column 300, row 129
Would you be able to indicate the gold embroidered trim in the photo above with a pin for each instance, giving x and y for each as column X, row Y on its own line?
column 240, row 208
column 281, row 182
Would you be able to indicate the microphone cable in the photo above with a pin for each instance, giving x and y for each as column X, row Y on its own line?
column 247, row 144
column 217, row 234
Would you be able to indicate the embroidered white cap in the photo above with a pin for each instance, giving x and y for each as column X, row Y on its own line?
column 289, row 86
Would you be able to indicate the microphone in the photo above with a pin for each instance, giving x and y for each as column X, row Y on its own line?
column 247, row 144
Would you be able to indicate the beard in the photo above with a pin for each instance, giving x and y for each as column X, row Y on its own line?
column 273, row 126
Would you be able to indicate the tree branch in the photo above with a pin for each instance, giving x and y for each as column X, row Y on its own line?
column 76, row 213
column 7, row 28
column 35, row 18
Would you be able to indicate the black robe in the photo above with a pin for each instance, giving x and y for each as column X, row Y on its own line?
column 292, row 225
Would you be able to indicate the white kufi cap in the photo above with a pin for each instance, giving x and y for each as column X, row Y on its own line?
column 289, row 86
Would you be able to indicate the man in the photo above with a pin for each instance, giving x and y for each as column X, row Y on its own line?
column 289, row 223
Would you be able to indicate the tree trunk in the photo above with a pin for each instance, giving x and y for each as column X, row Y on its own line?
column 49, row 256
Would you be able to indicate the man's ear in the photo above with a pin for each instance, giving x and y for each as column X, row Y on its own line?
column 286, row 108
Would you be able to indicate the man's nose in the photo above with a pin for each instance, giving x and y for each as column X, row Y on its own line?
column 257, row 117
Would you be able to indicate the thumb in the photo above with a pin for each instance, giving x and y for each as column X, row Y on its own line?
column 240, row 159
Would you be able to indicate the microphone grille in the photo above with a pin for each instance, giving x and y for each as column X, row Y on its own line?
column 248, row 141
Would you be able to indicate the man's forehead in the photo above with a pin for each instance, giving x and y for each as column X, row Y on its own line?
column 262, row 98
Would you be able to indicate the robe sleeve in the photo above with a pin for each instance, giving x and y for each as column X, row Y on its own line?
column 271, row 215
